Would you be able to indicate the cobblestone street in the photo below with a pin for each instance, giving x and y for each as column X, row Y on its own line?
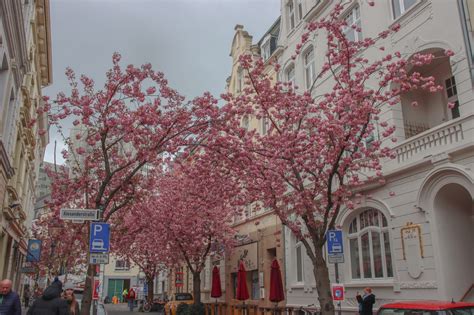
column 122, row 309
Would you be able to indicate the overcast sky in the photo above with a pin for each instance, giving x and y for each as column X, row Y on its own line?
column 188, row 40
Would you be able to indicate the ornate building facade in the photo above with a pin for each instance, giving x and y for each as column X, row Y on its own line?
column 260, row 238
column 416, row 244
column 25, row 68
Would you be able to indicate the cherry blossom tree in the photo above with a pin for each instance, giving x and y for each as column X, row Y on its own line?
column 60, row 251
column 315, row 156
column 192, row 214
column 131, row 241
column 124, row 129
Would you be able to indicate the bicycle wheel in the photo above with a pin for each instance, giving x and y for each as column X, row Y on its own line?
column 147, row 307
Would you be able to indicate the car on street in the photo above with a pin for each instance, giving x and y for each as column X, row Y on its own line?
column 427, row 308
column 178, row 298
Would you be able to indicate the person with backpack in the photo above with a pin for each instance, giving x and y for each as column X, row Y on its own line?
column 131, row 299
column 50, row 302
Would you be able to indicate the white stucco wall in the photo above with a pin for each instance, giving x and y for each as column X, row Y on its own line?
column 424, row 163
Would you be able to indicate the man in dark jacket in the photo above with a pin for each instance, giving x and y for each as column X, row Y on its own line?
column 366, row 302
column 50, row 303
column 9, row 301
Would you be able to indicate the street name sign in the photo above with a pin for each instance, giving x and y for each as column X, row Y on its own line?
column 79, row 214
column 98, row 258
column 99, row 241
column 28, row 269
column 335, row 246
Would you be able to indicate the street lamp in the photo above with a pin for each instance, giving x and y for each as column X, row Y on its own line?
column 53, row 232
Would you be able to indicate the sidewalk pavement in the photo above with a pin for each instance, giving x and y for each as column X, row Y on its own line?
column 120, row 309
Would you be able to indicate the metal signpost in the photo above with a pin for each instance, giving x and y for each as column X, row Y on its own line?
column 79, row 214
column 99, row 246
column 335, row 256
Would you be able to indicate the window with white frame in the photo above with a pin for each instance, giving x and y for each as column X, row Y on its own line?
column 401, row 6
column 266, row 52
column 291, row 14
column 352, row 30
column 299, row 7
column 299, row 263
column 369, row 246
column 290, row 74
column 245, row 122
column 373, row 136
column 239, row 82
column 452, row 94
column 122, row 265
column 309, row 67
column 265, row 125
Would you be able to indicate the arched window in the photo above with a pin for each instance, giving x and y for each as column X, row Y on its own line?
column 309, row 67
column 369, row 245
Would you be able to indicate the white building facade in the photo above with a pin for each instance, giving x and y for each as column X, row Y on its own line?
column 417, row 244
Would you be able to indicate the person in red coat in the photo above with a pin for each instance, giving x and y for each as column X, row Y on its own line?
column 131, row 296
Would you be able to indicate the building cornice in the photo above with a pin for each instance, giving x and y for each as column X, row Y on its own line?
column 43, row 35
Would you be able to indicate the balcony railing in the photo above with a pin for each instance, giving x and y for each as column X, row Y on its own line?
column 435, row 140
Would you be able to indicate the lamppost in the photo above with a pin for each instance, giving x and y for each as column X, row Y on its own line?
column 53, row 232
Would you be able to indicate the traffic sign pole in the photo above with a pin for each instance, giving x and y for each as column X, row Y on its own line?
column 335, row 254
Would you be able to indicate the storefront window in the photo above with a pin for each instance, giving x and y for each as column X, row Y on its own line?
column 255, row 286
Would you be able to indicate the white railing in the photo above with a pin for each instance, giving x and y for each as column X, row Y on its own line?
column 439, row 137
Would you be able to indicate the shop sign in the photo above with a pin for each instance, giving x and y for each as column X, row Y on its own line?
column 246, row 253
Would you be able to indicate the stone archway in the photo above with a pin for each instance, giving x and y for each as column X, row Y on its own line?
column 453, row 210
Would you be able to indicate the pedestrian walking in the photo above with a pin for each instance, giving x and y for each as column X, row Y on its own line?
column 50, row 303
column 71, row 299
column 27, row 296
column 10, row 303
column 131, row 299
column 366, row 302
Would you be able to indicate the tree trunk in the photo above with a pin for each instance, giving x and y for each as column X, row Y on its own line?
column 197, row 287
column 87, row 294
column 149, row 283
column 323, row 283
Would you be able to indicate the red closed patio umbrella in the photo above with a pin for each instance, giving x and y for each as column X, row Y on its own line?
column 216, row 290
column 277, row 293
column 242, row 291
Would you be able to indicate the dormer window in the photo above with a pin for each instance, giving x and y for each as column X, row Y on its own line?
column 266, row 48
column 291, row 14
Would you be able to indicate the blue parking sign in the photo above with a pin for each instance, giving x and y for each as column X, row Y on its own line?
column 99, row 241
column 334, row 239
